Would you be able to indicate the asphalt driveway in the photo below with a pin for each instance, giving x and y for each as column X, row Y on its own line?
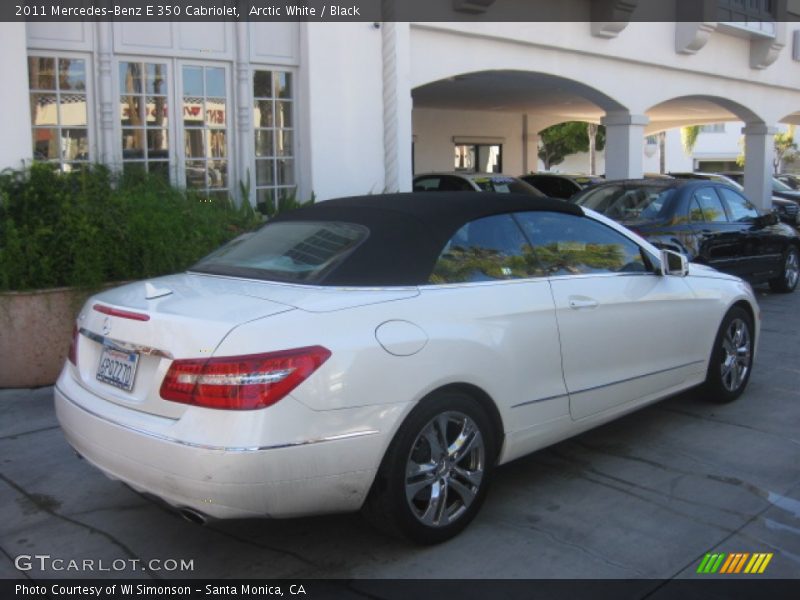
column 644, row 497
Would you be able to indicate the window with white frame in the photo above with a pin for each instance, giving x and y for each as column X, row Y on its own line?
column 205, row 129
column 273, row 122
column 59, row 112
column 144, row 117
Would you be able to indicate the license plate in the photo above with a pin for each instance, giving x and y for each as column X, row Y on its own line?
column 117, row 368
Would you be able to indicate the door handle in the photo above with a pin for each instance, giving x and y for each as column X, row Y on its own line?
column 580, row 302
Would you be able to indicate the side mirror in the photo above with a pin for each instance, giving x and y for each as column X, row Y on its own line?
column 768, row 219
column 673, row 263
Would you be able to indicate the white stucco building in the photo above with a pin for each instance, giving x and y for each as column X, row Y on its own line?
column 349, row 108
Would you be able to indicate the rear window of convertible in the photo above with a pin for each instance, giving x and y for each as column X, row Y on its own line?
column 292, row 251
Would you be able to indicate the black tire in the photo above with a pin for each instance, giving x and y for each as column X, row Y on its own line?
column 731, row 358
column 790, row 273
column 390, row 505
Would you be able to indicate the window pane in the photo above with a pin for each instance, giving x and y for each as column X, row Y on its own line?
column 264, row 146
column 265, row 172
column 194, row 141
column 283, row 114
column 195, row 174
column 157, row 146
column 132, row 144
column 569, row 245
column 193, row 81
column 285, row 171
column 71, row 74
column 710, row 205
column 262, row 84
column 45, row 144
column 283, row 142
column 483, row 250
column 217, row 144
column 192, row 112
column 131, row 110
column 73, row 109
column 74, row 144
column 156, row 109
column 41, row 73
column 215, row 81
column 44, row 110
column 465, row 157
column 218, row 174
column 283, row 85
column 262, row 113
column 130, row 78
column 215, row 112
column 156, row 82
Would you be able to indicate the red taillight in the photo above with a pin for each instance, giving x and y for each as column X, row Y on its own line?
column 72, row 355
column 123, row 314
column 241, row 382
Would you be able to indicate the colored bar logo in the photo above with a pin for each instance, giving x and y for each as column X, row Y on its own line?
column 734, row 562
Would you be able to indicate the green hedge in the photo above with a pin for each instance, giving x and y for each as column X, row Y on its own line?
column 85, row 228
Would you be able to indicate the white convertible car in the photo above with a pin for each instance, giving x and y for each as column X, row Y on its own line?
column 387, row 353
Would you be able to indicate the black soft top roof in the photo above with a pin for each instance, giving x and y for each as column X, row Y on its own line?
column 409, row 231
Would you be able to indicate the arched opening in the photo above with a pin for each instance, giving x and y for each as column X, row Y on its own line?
column 490, row 120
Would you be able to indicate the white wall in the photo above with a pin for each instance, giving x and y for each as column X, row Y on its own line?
column 434, row 131
column 15, row 118
column 342, row 78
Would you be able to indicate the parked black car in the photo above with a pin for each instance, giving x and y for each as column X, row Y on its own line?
column 709, row 222
column 560, row 185
column 779, row 189
column 790, row 179
column 788, row 210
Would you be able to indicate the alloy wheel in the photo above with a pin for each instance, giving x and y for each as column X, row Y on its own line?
column 445, row 469
column 737, row 350
column 791, row 270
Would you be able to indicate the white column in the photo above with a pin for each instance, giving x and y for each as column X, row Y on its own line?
column 105, row 95
column 15, row 118
column 624, row 144
column 530, row 146
column 397, row 105
column 759, row 147
column 244, row 102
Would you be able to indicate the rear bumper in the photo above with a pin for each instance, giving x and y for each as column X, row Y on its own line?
column 282, row 479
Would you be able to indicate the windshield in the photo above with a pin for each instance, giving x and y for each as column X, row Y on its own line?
column 505, row 185
column 294, row 251
column 779, row 186
column 625, row 203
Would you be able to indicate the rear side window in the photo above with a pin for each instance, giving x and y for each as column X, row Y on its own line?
column 710, row 207
column 286, row 251
column 563, row 244
column 623, row 203
column 486, row 249
column 427, row 184
column 505, row 185
column 546, row 185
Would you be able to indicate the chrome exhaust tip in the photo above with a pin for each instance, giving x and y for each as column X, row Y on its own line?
column 193, row 516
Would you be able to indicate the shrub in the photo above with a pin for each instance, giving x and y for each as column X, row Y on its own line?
column 86, row 227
